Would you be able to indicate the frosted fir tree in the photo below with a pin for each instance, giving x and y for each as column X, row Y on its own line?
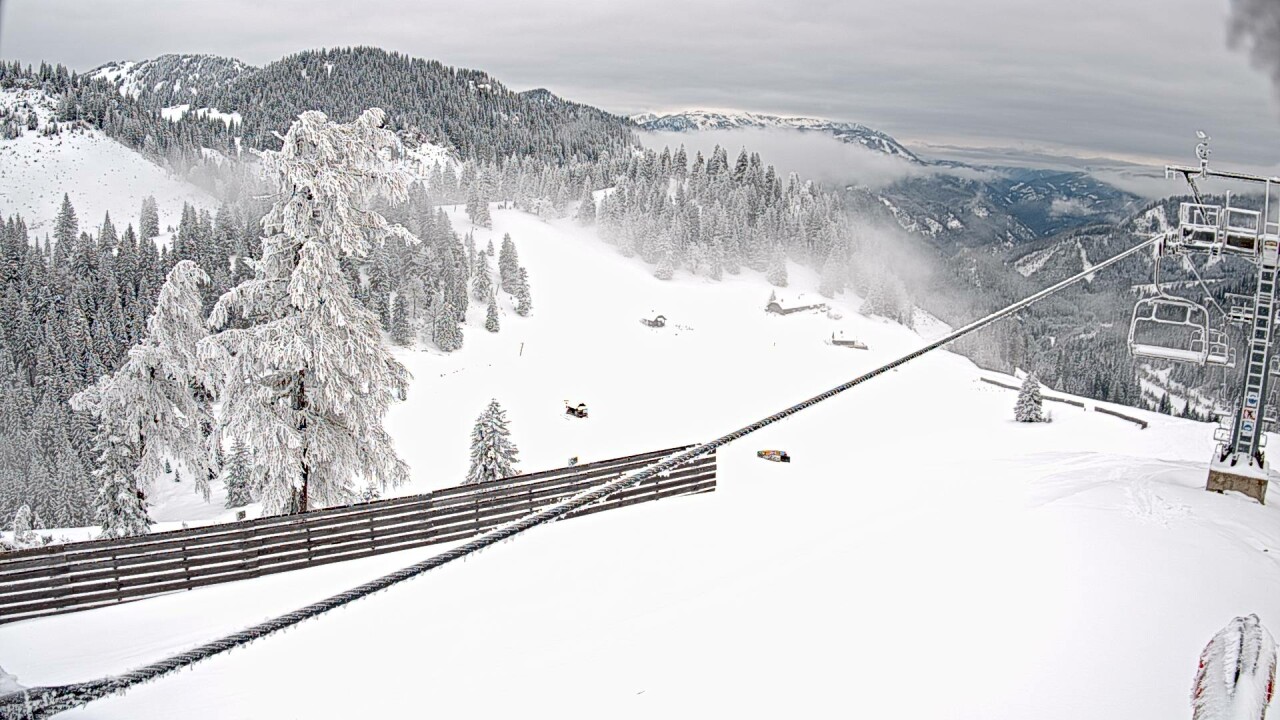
column 149, row 219
column 239, row 475
column 309, row 381
column 158, row 405
column 586, row 214
column 489, row 248
column 491, row 316
column 493, row 455
column 776, row 273
column 508, row 263
column 444, row 329
column 23, row 534
column 478, row 210
column 524, row 301
column 66, row 227
column 120, row 508
column 401, row 332
column 482, row 284
column 1236, row 673
column 1030, row 406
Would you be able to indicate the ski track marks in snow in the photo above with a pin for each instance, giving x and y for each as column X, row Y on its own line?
column 916, row 520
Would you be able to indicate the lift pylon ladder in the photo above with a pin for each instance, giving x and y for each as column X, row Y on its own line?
column 1239, row 463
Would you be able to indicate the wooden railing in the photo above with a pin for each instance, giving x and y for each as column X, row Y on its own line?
column 84, row 575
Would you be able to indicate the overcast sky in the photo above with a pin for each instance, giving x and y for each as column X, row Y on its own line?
column 1119, row 79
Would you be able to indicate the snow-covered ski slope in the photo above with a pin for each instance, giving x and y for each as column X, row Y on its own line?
column 922, row 556
column 99, row 175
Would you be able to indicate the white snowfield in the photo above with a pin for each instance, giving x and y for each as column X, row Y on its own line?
column 99, row 174
column 922, row 556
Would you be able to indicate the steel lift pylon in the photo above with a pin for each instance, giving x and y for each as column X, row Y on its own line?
column 1239, row 463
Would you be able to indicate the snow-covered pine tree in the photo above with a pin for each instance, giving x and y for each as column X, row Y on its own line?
column 493, row 455
column 401, row 333
column 508, row 263
column 149, row 220
column 491, row 315
column 22, row 524
column 489, row 248
column 524, row 301
column 239, row 475
column 309, row 381
column 120, row 508
column 478, row 211
column 665, row 269
column 1030, row 407
column 445, row 332
column 482, row 283
column 586, row 214
column 777, row 270
column 157, row 406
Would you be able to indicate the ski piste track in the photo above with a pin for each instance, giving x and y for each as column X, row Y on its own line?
column 42, row 702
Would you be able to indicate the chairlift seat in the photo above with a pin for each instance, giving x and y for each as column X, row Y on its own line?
column 1166, row 353
column 1173, row 314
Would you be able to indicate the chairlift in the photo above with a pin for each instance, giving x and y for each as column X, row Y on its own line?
column 1168, row 327
column 1220, row 351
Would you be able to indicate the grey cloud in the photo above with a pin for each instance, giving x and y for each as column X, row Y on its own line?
column 1256, row 24
column 1119, row 78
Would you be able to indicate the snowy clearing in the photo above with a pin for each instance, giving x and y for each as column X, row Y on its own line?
column 922, row 556
column 98, row 173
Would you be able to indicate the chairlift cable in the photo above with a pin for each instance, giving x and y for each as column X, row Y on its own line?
column 1192, row 267
column 41, row 702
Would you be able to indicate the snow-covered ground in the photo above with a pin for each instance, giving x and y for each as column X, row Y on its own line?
column 98, row 173
column 923, row 556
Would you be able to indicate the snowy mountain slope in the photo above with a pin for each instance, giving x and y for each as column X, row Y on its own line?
column 98, row 173
column 171, row 79
column 691, row 120
column 923, row 556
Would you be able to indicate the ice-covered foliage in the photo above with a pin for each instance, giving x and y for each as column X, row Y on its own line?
column 524, row 301
column 493, row 455
column 155, row 409
column 239, row 475
column 508, row 264
column 491, row 322
column 1237, row 673
column 482, row 283
column 1030, row 406
column 309, row 381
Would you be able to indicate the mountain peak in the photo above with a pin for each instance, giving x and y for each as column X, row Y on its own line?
column 170, row 79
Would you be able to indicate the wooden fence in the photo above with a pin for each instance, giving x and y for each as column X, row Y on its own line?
column 1043, row 395
column 84, row 575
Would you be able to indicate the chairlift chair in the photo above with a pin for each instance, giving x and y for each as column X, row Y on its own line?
column 1220, row 350
column 1168, row 327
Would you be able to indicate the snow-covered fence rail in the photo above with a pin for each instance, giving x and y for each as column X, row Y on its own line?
column 80, row 576
column 1044, row 395
column 1136, row 421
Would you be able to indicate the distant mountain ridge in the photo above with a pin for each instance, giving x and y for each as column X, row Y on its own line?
column 467, row 111
column 849, row 132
